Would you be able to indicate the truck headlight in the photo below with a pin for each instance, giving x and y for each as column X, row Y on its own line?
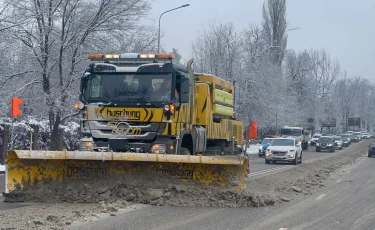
column 86, row 144
column 158, row 148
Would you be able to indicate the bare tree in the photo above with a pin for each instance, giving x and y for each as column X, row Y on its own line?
column 58, row 34
column 274, row 29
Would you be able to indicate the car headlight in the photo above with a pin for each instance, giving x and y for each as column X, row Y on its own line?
column 291, row 150
column 317, row 144
column 329, row 144
column 260, row 147
column 269, row 150
column 267, row 154
column 291, row 155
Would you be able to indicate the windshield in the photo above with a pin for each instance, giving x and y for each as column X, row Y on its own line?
column 283, row 142
column 325, row 139
column 267, row 141
column 129, row 87
column 337, row 138
column 317, row 135
column 357, row 133
column 291, row 132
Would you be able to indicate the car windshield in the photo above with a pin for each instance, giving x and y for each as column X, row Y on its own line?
column 367, row 134
column 357, row 133
column 337, row 138
column 291, row 132
column 129, row 87
column 267, row 141
column 325, row 139
column 317, row 135
column 282, row 142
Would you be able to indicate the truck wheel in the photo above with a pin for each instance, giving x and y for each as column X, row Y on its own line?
column 305, row 146
column 184, row 151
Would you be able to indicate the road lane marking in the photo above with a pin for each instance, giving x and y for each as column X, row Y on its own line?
column 269, row 170
column 338, row 181
column 283, row 229
column 320, row 197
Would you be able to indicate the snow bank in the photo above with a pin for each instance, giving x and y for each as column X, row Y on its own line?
column 2, row 168
column 253, row 149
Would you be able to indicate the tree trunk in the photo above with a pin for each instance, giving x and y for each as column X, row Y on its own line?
column 5, row 142
column 35, row 137
column 55, row 134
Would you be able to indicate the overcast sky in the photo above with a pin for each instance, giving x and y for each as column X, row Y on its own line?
column 345, row 28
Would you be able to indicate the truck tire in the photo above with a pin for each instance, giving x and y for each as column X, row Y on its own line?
column 184, row 151
column 305, row 146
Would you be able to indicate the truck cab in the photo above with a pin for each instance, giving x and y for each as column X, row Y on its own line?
column 145, row 103
column 298, row 133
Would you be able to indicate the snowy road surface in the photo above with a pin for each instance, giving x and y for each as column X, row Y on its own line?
column 308, row 188
column 331, row 207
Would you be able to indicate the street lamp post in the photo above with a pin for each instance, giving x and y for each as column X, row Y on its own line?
column 160, row 18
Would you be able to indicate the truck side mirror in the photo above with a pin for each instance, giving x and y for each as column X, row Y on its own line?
column 184, row 90
column 83, row 85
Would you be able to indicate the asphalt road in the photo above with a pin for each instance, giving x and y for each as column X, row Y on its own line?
column 259, row 168
column 347, row 202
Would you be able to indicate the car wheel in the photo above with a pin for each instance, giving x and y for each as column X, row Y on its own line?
column 267, row 161
column 295, row 161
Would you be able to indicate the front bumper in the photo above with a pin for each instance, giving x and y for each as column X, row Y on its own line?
column 324, row 147
column 284, row 158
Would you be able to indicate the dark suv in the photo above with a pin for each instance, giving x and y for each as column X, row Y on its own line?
column 325, row 143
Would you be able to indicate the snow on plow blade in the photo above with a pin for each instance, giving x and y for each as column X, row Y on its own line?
column 27, row 169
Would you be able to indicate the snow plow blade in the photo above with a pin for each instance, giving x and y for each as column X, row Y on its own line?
column 28, row 169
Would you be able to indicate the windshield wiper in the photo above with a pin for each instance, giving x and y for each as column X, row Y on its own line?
column 105, row 104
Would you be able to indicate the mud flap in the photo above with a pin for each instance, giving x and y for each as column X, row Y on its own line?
column 27, row 170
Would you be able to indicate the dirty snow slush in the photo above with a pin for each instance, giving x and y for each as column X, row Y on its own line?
column 60, row 208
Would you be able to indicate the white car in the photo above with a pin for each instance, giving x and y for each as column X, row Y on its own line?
column 338, row 141
column 284, row 149
column 315, row 138
column 366, row 135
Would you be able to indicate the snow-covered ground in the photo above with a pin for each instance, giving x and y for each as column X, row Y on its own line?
column 253, row 149
column 2, row 168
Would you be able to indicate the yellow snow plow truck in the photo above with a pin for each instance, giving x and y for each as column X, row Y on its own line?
column 142, row 113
